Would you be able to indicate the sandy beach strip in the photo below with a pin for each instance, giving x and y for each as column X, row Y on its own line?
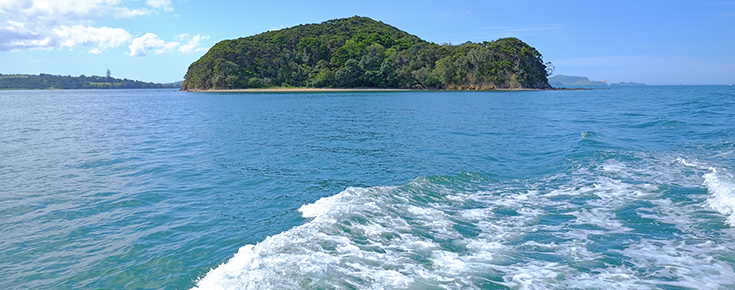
column 298, row 90
column 326, row 90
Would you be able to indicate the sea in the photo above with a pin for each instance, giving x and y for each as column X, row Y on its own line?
column 620, row 188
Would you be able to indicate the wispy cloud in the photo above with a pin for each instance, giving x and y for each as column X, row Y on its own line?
column 165, row 5
column 719, row 3
column 534, row 29
column 194, row 45
column 277, row 28
column 624, row 61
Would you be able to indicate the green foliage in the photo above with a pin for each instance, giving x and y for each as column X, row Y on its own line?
column 361, row 52
column 349, row 75
column 47, row 81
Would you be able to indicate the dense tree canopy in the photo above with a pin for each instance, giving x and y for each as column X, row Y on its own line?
column 361, row 52
column 47, row 81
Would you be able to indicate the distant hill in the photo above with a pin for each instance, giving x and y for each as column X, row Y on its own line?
column 173, row 85
column 562, row 81
column 47, row 81
column 361, row 52
column 628, row 84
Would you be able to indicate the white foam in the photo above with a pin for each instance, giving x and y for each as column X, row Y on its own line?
column 476, row 214
column 687, row 163
column 666, row 211
column 682, row 264
column 532, row 275
column 391, row 238
column 448, row 262
column 600, row 217
column 722, row 193
column 336, row 204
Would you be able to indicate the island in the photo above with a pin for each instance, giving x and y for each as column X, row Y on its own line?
column 627, row 84
column 564, row 81
column 359, row 52
column 57, row 82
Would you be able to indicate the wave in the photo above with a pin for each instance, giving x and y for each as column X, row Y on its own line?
column 618, row 222
column 722, row 193
column 720, row 185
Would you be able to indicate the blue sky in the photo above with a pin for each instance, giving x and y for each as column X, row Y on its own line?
column 655, row 42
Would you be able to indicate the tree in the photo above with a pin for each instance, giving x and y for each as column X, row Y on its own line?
column 349, row 75
column 549, row 68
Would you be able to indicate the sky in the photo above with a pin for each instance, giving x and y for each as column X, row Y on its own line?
column 653, row 42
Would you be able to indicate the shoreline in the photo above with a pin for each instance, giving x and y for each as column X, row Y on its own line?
column 325, row 90
column 297, row 90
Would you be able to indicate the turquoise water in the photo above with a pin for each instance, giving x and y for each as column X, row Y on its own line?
column 628, row 188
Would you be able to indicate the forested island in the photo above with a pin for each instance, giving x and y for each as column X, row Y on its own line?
column 359, row 52
column 56, row 82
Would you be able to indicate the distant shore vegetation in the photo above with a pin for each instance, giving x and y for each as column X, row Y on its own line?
column 359, row 52
column 57, row 82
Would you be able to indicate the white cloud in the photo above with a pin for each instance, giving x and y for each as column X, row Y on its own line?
column 151, row 42
column 193, row 45
column 162, row 4
column 50, row 24
column 67, row 24
column 99, row 38
column 59, row 11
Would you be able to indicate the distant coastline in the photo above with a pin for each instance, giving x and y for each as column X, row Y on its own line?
column 564, row 81
column 59, row 82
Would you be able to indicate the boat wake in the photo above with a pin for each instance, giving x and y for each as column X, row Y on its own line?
column 620, row 222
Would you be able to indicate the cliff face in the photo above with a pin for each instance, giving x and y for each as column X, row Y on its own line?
column 361, row 52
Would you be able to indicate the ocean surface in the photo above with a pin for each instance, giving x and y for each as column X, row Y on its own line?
column 626, row 188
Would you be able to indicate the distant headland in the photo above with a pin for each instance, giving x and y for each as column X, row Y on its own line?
column 359, row 52
column 562, row 81
column 58, row 82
